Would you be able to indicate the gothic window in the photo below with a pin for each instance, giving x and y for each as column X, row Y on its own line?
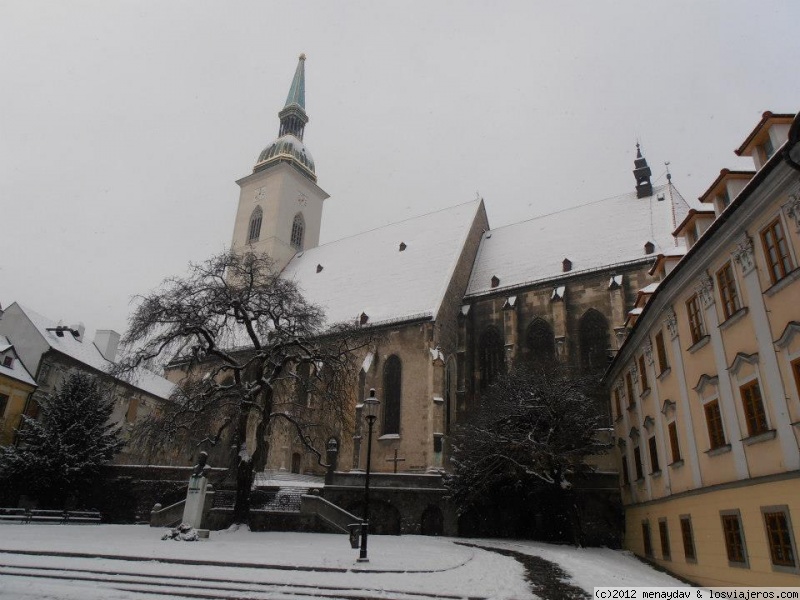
column 449, row 394
column 362, row 384
column 491, row 358
column 392, row 394
column 298, row 231
column 593, row 339
column 541, row 342
column 254, row 230
column 302, row 384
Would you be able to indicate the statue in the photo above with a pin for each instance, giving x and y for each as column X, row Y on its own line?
column 201, row 468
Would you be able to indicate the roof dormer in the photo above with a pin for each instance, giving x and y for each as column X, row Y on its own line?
column 769, row 134
column 666, row 261
column 693, row 225
column 725, row 188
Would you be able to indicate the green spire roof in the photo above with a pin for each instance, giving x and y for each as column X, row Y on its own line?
column 297, row 92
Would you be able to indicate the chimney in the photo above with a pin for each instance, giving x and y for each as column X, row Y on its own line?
column 78, row 331
column 107, row 341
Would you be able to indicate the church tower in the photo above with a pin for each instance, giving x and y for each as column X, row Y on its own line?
column 280, row 203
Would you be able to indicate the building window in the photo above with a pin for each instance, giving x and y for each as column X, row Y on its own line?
column 541, row 342
column 696, row 326
column 651, row 443
column 254, row 230
column 673, row 441
column 8, row 361
column 133, row 409
column 779, row 536
column 663, row 533
column 643, row 383
column 637, row 461
column 716, row 434
column 392, row 394
column 593, row 340
column 3, row 404
column 688, row 538
column 449, row 394
column 617, row 403
column 796, row 371
column 769, row 149
column 648, row 544
column 626, row 479
column 776, row 251
column 754, row 413
column 303, row 384
column 727, row 291
column 724, row 198
column 491, row 357
column 362, row 394
column 734, row 537
column 629, row 389
column 661, row 353
column 298, row 230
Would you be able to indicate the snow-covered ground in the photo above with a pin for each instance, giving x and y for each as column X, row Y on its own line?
column 119, row 562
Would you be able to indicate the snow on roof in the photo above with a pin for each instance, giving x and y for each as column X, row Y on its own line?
column 369, row 273
column 17, row 370
column 87, row 353
column 594, row 235
column 649, row 289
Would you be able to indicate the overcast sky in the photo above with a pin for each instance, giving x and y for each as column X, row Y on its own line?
column 124, row 125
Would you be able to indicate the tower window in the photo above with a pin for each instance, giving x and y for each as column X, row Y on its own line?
column 254, row 230
column 298, row 231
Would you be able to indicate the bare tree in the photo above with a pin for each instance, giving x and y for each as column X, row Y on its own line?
column 534, row 429
column 251, row 351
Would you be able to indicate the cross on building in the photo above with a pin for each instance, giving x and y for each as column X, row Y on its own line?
column 395, row 460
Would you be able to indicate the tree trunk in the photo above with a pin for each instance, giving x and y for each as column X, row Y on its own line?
column 244, row 483
column 244, row 474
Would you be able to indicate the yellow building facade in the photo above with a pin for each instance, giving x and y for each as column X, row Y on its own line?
column 705, row 390
column 16, row 386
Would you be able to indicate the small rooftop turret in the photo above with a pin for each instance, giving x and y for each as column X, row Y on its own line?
column 642, row 174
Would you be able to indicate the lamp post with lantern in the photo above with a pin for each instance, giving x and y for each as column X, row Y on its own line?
column 370, row 408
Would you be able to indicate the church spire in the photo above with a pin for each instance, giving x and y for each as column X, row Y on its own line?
column 293, row 116
column 642, row 174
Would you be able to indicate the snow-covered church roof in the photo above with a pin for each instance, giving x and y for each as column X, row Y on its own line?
column 591, row 236
column 395, row 273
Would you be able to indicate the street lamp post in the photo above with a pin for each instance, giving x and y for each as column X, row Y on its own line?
column 370, row 414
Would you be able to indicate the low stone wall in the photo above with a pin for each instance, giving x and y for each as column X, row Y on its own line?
column 400, row 503
column 129, row 492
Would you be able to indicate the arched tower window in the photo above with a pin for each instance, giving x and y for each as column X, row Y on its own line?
column 298, row 231
column 593, row 339
column 491, row 356
column 254, row 229
column 541, row 342
column 392, row 394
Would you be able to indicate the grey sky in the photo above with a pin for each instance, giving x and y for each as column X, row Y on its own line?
column 123, row 125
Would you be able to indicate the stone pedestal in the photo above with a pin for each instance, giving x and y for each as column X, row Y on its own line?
column 195, row 501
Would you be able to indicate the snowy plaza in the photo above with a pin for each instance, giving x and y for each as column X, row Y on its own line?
column 116, row 562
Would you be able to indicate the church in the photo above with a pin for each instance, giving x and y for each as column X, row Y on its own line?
column 457, row 303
